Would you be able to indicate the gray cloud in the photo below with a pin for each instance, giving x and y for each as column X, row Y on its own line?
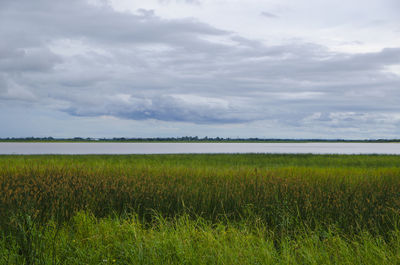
column 268, row 14
column 92, row 61
column 167, row 108
column 192, row 2
column 25, row 60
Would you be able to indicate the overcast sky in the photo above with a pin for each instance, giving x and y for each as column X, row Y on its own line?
column 228, row 68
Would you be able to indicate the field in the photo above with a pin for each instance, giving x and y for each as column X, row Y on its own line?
column 200, row 209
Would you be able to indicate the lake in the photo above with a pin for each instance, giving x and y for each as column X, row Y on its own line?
column 186, row 148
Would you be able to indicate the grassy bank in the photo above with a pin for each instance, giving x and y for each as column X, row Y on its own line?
column 194, row 208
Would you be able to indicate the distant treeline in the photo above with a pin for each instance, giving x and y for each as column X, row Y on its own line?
column 185, row 139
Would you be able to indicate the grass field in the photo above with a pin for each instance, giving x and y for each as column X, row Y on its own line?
column 200, row 209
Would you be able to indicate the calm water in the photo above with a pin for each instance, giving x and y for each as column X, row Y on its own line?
column 180, row 148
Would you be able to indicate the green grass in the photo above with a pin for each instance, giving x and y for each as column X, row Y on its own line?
column 88, row 240
column 200, row 209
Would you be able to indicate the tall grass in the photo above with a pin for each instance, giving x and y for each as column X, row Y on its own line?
column 281, row 208
column 284, row 191
column 182, row 240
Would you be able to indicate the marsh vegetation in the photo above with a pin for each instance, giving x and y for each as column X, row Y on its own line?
column 200, row 209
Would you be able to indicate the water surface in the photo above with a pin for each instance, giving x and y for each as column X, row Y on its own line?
column 184, row 148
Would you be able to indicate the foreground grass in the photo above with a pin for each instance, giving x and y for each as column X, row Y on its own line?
column 200, row 209
column 88, row 240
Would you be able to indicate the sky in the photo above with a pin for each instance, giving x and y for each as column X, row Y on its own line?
column 229, row 68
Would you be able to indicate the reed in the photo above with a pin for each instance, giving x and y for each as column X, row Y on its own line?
column 200, row 209
column 285, row 192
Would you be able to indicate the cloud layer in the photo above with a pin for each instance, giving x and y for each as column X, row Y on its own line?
column 89, row 60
